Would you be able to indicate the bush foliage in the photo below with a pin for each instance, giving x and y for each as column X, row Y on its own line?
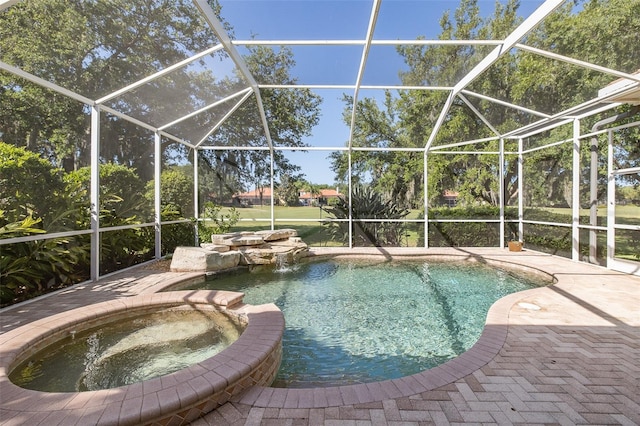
column 368, row 204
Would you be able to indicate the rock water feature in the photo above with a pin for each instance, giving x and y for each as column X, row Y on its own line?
column 230, row 250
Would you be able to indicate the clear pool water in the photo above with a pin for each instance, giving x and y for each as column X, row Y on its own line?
column 127, row 351
column 356, row 322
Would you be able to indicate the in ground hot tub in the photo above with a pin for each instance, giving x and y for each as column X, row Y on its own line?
column 241, row 348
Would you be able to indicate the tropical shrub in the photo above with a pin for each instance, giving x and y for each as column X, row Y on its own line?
column 546, row 238
column 29, row 185
column 121, row 203
column 469, row 234
column 215, row 222
column 176, row 189
column 368, row 204
column 31, row 268
column 175, row 234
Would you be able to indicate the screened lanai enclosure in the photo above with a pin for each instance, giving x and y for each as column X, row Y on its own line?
column 130, row 128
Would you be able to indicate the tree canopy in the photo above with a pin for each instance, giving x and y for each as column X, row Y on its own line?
column 604, row 32
column 72, row 44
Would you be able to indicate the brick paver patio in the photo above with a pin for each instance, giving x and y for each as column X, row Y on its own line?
column 575, row 360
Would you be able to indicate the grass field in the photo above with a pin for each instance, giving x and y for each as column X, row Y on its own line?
column 626, row 215
column 313, row 233
column 307, row 221
column 281, row 212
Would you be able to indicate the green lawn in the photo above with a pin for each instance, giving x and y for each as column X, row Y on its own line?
column 317, row 234
column 263, row 213
column 627, row 241
column 628, row 214
column 313, row 233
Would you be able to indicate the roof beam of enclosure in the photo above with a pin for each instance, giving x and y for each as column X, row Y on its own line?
column 503, row 103
column 578, row 111
column 223, row 119
column 584, row 64
column 224, row 38
column 73, row 95
column 603, row 108
column 6, row 3
column 351, row 87
column 465, row 143
column 363, row 63
column 160, row 73
column 203, row 109
column 363, row 42
column 44, row 83
column 478, row 113
column 512, row 39
column 144, row 125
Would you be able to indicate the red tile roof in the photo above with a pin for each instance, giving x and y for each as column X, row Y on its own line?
column 326, row 193
column 266, row 192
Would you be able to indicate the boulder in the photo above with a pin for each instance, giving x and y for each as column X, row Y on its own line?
column 220, row 248
column 220, row 238
column 244, row 240
column 227, row 251
column 277, row 234
column 272, row 253
column 290, row 242
column 189, row 259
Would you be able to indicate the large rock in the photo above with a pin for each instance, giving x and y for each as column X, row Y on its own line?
column 221, row 238
column 277, row 234
column 224, row 238
column 229, row 250
column 189, row 259
column 244, row 240
column 273, row 253
column 220, row 248
column 238, row 239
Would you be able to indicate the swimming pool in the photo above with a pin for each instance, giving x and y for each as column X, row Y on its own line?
column 353, row 322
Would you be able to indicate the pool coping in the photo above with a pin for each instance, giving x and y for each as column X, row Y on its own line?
column 175, row 398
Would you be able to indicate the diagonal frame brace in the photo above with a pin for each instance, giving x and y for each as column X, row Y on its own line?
column 225, row 40
column 509, row 42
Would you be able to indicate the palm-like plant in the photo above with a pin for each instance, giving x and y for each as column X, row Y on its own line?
column 367, row 204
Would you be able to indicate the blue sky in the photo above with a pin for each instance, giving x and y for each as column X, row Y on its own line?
column 341, row 20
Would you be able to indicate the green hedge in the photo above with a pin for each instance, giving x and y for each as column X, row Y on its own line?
column 546, row 238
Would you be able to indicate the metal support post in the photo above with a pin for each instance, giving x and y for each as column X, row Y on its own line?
column 611, row 204
column 575, row 194
column 502, row 190
column 196, row 201
column 520, row 190
column 426, row 200
column 350, row 209
column 157, row 171
column 271, row 165
column 95, row 193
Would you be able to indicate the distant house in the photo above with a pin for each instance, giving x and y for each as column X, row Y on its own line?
column 325, row 196
column 450, row 198
column 255, row 197
column 252, row 198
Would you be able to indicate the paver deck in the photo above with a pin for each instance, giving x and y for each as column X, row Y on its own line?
column 576, row 360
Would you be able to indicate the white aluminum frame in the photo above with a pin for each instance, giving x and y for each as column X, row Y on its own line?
column 459, row 90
